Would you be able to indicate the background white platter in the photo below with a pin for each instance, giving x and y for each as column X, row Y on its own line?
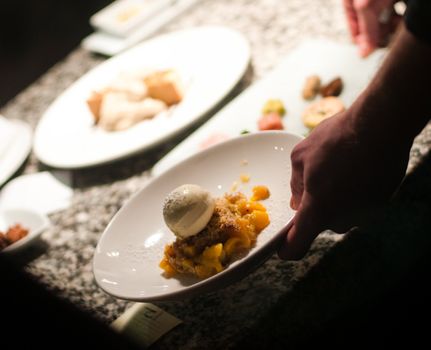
column 211, row 59
column 322, row 57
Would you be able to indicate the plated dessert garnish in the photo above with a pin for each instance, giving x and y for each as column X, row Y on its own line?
column 333, row 88
column 311, row 87
column 272, row 113
column 13, row 234
column 134, row 97
column 211, row 233
column 325, row 107
column 320, row 110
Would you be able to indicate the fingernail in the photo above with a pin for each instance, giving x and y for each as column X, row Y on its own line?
column 364, row 49
column 293, row 204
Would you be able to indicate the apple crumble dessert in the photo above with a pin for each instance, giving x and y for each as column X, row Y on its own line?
column 211, row 233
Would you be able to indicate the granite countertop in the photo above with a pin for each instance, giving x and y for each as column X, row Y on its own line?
column 273, row 28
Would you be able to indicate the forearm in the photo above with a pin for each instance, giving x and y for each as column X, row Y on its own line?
column 398, row 100
column 353, row 162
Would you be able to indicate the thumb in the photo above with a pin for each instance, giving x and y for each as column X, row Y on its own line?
column 352, row 18
column 364, row 46
column 307, row 224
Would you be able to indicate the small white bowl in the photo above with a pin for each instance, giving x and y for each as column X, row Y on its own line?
column 35, row 222
column 126, row 261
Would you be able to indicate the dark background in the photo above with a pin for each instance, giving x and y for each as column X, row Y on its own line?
column 34, row 35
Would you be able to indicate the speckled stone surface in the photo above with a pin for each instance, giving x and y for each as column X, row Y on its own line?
column 64, row 262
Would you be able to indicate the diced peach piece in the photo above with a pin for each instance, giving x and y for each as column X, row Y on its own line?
column 166, row 266
column 213, row 252
column 205, row 271
column 244, row 178
column 235, row 244
column 243, row 207
column 256, row 206
column 94, row 102
column 259, row 219
column 243, row 224
column 260, row 193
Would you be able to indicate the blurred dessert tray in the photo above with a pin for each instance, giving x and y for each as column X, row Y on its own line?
column 285, row 82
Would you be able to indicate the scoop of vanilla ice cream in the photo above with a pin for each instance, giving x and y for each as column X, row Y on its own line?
column 187, row 210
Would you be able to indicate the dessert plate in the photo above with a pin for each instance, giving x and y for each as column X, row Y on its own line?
column 126, row 260
column 210, row 59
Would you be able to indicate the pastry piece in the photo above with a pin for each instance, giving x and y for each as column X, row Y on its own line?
column 320, row 110
column 133, row 87
column 333, row 88
column 119, row 113
column 133, row 97
column 93, row 103
column 311, row 87
column 165, row 86
column 15, row 233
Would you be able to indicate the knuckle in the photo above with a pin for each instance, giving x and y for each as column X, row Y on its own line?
column 296, row 186
column 296, row 157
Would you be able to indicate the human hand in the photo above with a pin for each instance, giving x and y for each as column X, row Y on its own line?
column 370, row 22
column 340, row 173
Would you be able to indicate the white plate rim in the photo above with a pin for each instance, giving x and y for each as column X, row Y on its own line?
column 223, row 278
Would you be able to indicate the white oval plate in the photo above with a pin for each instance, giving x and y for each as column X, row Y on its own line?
column 126, row 261
column 211, row 59
column 35, row 222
